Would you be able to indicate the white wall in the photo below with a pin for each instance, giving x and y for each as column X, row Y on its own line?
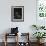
column 29, row 15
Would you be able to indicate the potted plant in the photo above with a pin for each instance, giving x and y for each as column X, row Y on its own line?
column 38, row 27
column 39, row 35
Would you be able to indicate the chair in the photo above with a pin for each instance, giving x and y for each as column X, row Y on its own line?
column 7, row 35
column 26, row 41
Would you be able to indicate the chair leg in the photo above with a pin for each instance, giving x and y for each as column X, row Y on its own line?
column 5, row 43
column 5, row 40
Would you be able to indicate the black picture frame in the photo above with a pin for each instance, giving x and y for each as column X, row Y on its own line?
column 17, row 13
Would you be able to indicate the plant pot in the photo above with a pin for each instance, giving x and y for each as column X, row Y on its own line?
column 40, row 40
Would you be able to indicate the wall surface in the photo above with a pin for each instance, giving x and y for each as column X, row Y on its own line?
column 29, row 15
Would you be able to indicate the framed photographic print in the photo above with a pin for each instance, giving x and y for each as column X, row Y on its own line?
column 17, row 13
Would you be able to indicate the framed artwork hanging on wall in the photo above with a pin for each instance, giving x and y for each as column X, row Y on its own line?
column 41, row 8
column 41, row 12
column 17, row 13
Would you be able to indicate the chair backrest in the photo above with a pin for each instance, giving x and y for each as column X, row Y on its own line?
column 24, row 37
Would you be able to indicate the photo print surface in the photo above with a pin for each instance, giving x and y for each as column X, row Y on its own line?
column 17, row 13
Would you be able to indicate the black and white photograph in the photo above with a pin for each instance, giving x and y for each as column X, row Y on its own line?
column 17, row 13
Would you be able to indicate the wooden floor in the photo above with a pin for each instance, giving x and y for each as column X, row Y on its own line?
column 13, row 44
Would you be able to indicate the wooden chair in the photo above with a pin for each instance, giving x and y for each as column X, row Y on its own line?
column 8, row 34
column 25, row 36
